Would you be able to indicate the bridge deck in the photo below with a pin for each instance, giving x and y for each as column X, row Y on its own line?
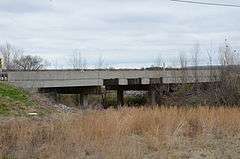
column 71, row 78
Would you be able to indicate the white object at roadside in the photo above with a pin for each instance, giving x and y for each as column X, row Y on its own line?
column 32, row 114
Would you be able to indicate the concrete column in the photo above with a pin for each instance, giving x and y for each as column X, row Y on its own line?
column 104, row 97
column 152, row 97
column 120, row 100
column 58, row 97
column 85, row 101
column 55, row 96
column 83, row 98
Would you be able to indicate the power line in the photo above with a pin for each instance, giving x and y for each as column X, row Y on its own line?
column 206, row 3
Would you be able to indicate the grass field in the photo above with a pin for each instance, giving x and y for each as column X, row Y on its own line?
column 129, row 133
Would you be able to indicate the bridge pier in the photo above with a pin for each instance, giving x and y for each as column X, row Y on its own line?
column 83, row 101
column 55, row 96
column 152, row 97
column 120, row 98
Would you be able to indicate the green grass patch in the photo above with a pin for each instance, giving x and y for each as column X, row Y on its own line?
column 17, row 102
column 14, row 94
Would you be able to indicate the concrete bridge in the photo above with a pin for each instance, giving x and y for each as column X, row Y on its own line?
column 86, row 82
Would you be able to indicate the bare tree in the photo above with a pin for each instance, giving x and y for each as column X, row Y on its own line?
column 77, row 61
column 226, row 58
column 158, row 62
column 228, row 91
column 100, row 62
column 210, row 54
column 10, row 53
column 237, row 57
column 226, row 55
column 84, row 63
column 29, row 62
column 55, row 64
column 183, row 65
column 6, row 52
column 196, row 51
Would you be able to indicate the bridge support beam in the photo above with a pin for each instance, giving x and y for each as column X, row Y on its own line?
column 120, row 100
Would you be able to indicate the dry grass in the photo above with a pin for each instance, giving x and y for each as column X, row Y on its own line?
column 126, row 133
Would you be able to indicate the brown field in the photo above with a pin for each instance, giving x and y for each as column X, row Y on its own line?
column 129, row 133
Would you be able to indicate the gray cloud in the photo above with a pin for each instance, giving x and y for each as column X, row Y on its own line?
column 24, row 6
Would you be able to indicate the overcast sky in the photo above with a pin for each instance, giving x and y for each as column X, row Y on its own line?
column 126, row 33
